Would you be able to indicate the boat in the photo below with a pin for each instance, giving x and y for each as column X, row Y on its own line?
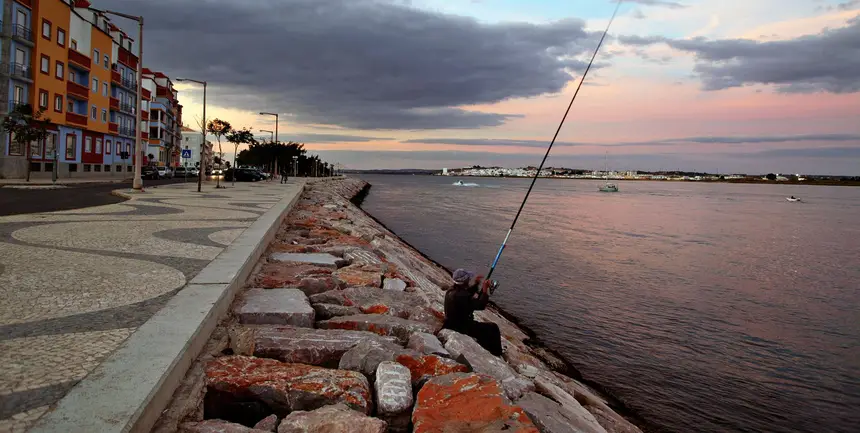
column 461, row 183
column 458, row 183
column 793, row 199
column 609, row 187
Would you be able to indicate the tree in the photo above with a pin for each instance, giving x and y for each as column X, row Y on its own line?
column 268, row 154
column 24, row 127
column 237, row 137
column 219, row 128
column 771, row 176
column 151, row 157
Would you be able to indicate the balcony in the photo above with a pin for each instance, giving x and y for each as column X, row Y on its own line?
column 115, row 77
column 114, row 104
column 129, row 84
column 22, row 33
column 144, row 115
column 24, row 72
column 127, row 108
column 113, row 127
column 145, row 93
column 144, row 135
column 127, row 58
column 128, row 132
column 79, row 59
column 77, row 90
column 14, row 105
column 76, row 118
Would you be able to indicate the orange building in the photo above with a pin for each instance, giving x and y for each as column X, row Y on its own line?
column 100, row 74
column 50, row 34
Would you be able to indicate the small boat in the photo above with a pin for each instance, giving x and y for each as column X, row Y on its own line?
column 458, row 183
column 609, row 187
column 461, row 183
column 793, row 199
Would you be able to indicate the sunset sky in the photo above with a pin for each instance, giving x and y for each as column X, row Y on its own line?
column 715, row 85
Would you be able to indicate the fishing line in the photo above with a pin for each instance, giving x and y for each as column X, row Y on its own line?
column 534, row 179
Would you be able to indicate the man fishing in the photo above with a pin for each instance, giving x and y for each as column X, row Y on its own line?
column 461, row 301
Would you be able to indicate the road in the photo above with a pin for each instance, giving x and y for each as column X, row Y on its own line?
column 15, row 201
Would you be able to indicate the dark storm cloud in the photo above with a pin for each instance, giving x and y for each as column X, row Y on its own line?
column 673, row 141
column 361, row 64
column 310, row 137
column 825, row 62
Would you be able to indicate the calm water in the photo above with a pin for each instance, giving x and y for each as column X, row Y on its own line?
column 703, row 307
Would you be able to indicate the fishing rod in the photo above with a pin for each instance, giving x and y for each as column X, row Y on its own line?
column 494, row 284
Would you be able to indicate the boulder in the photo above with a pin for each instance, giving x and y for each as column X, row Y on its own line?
column 217, row 426
column 276, row 307
column 314, row 285
column 466, row 349
column 360, row 275
column 317, row 259
column 471, row 402
column 551, row 417
column 372, row 300
column 395, row 284
column 301, row 345
column 394, row 395
column 366, row 356
column 269, row 424
column 283, row 387
column 427, row 344
column 425, row 367
column 331, row 419
column 327, row 311
column 362, row 257
column 308, row 278
column 576, row 415
column 428, row 316
column 378, row 324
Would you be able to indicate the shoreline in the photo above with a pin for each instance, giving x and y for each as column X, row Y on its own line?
column 533, row 341
column 733, row 181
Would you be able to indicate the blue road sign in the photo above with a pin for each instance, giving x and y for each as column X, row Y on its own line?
column 186, row 153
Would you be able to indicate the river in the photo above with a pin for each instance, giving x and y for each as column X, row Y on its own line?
column 703, row 307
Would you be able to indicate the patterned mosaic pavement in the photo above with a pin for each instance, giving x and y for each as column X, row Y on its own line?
column 75, row 284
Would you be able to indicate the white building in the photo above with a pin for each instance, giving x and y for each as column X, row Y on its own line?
column 191, row 140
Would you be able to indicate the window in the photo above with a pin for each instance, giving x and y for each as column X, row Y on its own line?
column 60, row 73
column 107, row 62
column 46, row 29
column 99, row 146
column 58, row 103
column 21, row 57
column 96, row 85
column 94, row 113
column 97, row 168
column 15, row 148
column 107, row 149
column 45, row 66
column 88, row 144
column 128, row 148
column 71, row 144
column 96, row 55
column 50, row 146
column 105, row 89
column 73, row 76
column 118, row 148
column 129, row 169
column 104, row 115
column 73, row 168
column 61, row 37
column 22, row 18
column 71, row 108
column 19, row 95
column 43, row 99
column 74, row 44
column 88, row 168
column 36, row 149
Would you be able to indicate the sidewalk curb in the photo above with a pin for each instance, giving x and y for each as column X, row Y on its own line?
column 130, row 389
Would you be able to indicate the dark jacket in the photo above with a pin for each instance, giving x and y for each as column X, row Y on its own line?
column 460, row 303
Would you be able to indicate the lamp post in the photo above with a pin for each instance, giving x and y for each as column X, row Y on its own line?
column 270, row 132
column 203, row 133
column 272, row 140
column 276, row 121
column 295, row 166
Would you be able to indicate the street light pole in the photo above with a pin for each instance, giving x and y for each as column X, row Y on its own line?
column 202, row 132
column 276, row 122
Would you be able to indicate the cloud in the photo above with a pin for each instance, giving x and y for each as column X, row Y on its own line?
column 671, row 141
column 825, row 62
column 818, row 152
column 359, row 64
column 662, row 3
column 489, row 142
column 309, row 137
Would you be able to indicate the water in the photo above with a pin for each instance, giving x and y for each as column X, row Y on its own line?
column 703, row 307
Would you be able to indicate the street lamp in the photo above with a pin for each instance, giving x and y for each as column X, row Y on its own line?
column 270, row 132
column 203, row 132
column 295, row 166
column 137, row 183
column 276, row 121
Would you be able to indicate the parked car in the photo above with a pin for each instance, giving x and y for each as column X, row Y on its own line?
column 243, row 175
column 165, row 172
column 180, row 172
column 193, row 172
column 149, row 172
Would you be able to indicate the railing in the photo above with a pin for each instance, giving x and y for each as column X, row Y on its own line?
column 127, row 131
column 115, row 77
column 145, row 93
column 78, row 90
column 21, row 32
column 129, row 84
column 128, row 108
column 114, row 103
column 79, row 59
column 13, row 105
column 76, row 118
column 21, row 71
column 113, row 127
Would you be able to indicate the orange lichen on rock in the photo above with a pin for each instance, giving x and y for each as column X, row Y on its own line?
column 426, row 366
column 375, row 309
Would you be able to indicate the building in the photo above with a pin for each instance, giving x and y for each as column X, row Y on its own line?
column 165, row 119
column 79, row 69
column 191, row 140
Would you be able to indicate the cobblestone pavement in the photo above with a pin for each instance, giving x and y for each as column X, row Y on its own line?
column 75, row 284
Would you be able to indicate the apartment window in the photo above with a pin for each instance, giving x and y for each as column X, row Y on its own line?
column 45, row 65
column 36, row 149
column 107, row 61
column 43, row 99
column 128, row 148
column 96, row 55
column 61, row 37
column 99, row 146
column 15, row 148
column 129, row 169
column 46, row 29
column 74, row 44
column 50, row 145
column 71, row 106
column 88, row 168
column 19, row 95
column 104, row 115
column 94, row 112
column 96, row 85
column 118, row 148
column 73, row 168
column 71, row 144
column 88, row 144
column 73, row 76
column 97, row 168
column 58, row 103
column 107, row 149
column 60, row 71
column 105, row 89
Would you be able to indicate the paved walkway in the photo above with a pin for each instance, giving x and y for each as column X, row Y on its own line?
column 75, row 284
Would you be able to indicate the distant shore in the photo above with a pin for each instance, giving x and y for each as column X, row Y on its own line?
column 746, row 180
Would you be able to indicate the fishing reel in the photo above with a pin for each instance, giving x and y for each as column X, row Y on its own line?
column 493, row 286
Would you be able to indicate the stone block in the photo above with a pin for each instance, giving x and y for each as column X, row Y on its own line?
column 302, row 345
column 551, row 417
column 360, row 276
column 366, row 356
column 578, row 417
column 269, row 424
column 316, row 259
column 327, row 311
column 331, row 419
column 427, row 344
column 372, row 300
column 378, row 324
column 466, row 349
column 394, row 396
column 462, row 402
column 217, row 426
column 275, row 307
column 394, row 284
column 362, row 257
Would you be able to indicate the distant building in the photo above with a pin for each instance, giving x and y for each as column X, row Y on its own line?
column 444, row 172
column 191, row 140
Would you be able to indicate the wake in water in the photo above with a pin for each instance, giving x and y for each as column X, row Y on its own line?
column 461, row 183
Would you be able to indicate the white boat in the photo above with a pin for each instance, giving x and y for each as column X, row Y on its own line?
column 458, row 183
column 792, row 199
column 609, row 187
column 461, row 183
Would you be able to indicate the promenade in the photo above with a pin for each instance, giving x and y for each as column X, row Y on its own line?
column 75, row 284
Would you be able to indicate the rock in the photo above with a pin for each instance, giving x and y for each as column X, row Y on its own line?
column 276, row 307
column 464, row 348
column 362, row 257
column 283, row 387
column 366, row 356
column 302, row 345
column 280, row 275
column 428, row 316
column 394, row 395
column 372, row 300
column 551, row 417
column 327, row 311
column 217, row 426
column 331, row 419
column 425, row 367
column 394, row 284
column 427, row 344
column 470, row 402
column 578, row 417
column 314, row 285
column 360, row 276
column 318, row 259
column 378, row 324
column 269, row 424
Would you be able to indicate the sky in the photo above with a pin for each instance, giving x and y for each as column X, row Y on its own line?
column 728, row 86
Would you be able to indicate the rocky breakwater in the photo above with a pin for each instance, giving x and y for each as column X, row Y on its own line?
column 341, row 330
